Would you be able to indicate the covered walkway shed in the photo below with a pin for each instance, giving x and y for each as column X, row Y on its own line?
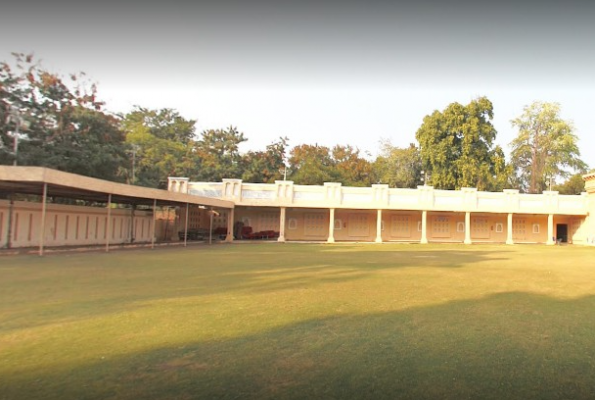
column 46, row 182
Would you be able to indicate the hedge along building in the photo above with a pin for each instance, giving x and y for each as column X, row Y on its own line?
column 332, row 212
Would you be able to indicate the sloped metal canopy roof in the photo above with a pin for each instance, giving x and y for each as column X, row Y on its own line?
column 30, row 180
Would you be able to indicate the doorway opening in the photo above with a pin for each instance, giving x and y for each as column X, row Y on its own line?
column 562, row 233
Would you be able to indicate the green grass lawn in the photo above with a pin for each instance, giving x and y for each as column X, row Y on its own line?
column 293, row 321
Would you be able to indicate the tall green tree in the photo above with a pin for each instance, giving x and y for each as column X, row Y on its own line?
column 218, row 151
column 457, row 147
column 311, row 164
column 351, row 169
column 573, row 185
column 94, row 148
column 398, row 167
column 314, row 165
column 265, row 166
column 545, row 147
column 160, row 144
column 61, row 123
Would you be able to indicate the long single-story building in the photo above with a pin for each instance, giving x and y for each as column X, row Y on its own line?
column 332, row 212
column 232, row 209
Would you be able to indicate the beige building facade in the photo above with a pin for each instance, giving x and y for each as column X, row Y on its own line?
column 284, row 211
column 332, row 212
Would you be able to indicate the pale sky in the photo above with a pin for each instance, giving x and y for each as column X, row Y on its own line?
column 320, row 72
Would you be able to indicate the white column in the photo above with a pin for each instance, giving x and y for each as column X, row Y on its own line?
column 331, row 227
column 230, row 218
column 424, row 227
column 282, row 225
column 467, row 228
column 42, row 227
column 509, row 230
column 550, row 230
column 108, row 225
column 379, row 226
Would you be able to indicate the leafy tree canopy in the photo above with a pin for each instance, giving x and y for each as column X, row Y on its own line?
column 398, row 167
column 545, row 147
column 573, row 185
column 161, row 144
column 60, row 122
column 311, row 164
column 456, row 147
column 219, row 154
column 266, row 166
column 314, row 165
column 351, row 169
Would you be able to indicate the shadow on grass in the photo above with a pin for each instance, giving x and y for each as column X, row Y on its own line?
column 81, row 286
column 504, row 346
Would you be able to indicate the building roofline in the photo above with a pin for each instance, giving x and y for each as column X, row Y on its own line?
column 30, row 180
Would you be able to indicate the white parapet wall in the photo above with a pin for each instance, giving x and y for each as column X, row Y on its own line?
column 424, row 198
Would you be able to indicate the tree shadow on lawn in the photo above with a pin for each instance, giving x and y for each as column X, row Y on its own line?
column 245, row 275
column 504, row 346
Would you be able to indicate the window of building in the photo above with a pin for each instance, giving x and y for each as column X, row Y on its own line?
column 315, row 224
column 399, row 226
column 441, row 226
column 292, row 223
column 535, row 228
column 480, row 228
column 518, row 228
column 338, row 224
column 358, row 225
column 268, row 221
column 460, row 227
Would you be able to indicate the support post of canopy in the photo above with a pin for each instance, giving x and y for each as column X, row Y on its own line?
column 43, row 213
column 186, row 226
column 107, row 224
column 154, row 223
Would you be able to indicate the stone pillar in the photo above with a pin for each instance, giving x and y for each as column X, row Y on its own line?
column 230, row 217
column 282, row 225
column 379, row 226
column 509, row 230
column 467, row 228
column 331, row 227
column 424, row 227
column 550, row 230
